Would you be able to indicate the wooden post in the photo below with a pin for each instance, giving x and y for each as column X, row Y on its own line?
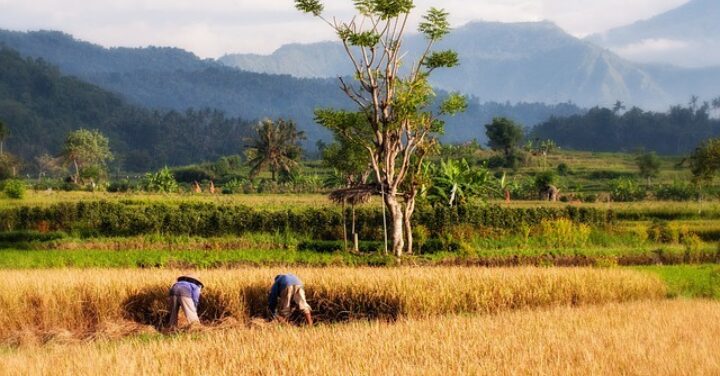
column 382, row 192
column 356, row 245
column 344, row 224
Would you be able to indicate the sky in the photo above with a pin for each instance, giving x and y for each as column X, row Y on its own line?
column 212, row 28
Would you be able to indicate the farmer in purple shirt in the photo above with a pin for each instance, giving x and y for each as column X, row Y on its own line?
column 186, row 293
column 287, row 289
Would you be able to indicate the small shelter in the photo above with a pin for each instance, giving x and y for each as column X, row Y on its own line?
column 355, row 195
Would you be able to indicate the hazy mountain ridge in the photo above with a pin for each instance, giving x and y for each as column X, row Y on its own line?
column 174, row 79
column 688, row 35
column 40, row 106
column 82, row 58
column 531, row 61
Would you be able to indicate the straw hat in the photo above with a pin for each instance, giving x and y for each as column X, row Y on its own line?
column 191, row 278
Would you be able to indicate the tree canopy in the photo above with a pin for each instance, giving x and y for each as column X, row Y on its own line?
column 674, row 132
column 504, row 135
column 87, row 151
column 705, row 160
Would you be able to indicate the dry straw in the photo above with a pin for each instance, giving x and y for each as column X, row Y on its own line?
column 38, row 306
column 640, row 338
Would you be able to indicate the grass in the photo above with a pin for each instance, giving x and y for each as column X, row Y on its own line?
column 84, row 258
column 258, row 201
column 41, row 305
column 643, row 338
column 221, row 255
column 693, row 281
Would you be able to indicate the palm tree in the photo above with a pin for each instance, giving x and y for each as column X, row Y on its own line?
column 275, row 147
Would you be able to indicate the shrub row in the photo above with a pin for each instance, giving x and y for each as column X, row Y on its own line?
column 102, row 218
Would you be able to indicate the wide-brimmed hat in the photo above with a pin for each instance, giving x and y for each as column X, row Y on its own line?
column 191, row 278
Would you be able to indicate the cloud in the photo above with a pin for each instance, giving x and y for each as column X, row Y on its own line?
column 684, row 53
column 212, row 28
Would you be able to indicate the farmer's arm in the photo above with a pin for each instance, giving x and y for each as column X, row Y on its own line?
column 308, row 318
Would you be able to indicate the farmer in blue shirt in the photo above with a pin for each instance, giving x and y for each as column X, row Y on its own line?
column 288, row 288
column 186, row 293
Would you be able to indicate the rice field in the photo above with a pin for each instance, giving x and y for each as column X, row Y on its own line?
column 641, row 338
column 41, row 305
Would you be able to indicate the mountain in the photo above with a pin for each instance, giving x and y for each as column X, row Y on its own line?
column 170, row 78
column 686, row 36
column 174, row 79
column 532, row 62
column 39, row 105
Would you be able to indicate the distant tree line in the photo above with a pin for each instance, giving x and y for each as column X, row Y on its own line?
column 677, row 131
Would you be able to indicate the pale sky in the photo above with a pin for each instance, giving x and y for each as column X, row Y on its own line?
column 212, row 28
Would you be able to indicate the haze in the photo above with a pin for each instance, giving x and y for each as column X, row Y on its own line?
column 211, row 29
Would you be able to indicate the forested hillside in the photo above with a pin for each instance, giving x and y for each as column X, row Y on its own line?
column 677, row 131
column 175, row 79
column 40, row 106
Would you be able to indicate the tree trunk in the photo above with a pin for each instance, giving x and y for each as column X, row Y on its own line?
column 507, row 196
column 76, row 178
column 1, row 148
column 396, row 221
column 409, row 209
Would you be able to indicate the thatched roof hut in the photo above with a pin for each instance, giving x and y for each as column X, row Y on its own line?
column 356, row 195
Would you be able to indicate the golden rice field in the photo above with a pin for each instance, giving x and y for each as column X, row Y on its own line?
column 41, row 306
column 640, row 338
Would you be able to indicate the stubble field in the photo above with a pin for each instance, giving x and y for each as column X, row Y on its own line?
column 640, row 338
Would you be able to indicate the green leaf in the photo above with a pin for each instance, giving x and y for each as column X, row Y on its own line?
column 442, row 59
column 454, row 104
column 365, row 39
column 315, row 7
column 435, row 25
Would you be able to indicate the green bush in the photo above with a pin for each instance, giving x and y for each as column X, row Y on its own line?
column 563, row 169
column 163, row 181
column 545, row 179
column 132, row 218
column 626, row 190
column 191, row 174
column 15, row 189
column 677, row 191
column 124, row 185
column 234, row 186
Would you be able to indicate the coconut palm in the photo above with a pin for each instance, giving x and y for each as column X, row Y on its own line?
column 275, row 147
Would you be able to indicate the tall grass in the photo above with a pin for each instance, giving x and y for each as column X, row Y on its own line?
column 695, row 281
column 644, row 338
column 88, row 303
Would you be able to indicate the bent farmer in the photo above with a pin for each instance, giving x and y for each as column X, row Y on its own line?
column 186, row 293
column 288, row 289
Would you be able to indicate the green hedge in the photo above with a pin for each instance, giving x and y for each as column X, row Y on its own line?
column 101, row 218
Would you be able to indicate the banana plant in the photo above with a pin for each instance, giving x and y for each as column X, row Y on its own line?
column 454, row 182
